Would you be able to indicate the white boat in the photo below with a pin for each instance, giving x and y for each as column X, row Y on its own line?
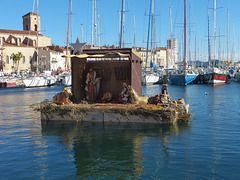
column 237, row 75
column 152, row 77
column 35, row 81
column 51, row 80
column 65, row 79
column 149, row 78
column 8, row 82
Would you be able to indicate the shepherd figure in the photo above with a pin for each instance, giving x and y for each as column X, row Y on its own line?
column 92, row 85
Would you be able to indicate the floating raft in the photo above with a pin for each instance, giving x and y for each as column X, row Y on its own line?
column 115, row 113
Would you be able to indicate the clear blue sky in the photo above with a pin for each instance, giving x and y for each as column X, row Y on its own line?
column 54, row 20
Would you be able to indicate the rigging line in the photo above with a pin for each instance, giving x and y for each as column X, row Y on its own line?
column 175, row 19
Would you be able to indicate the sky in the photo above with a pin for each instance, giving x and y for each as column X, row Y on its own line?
column 54, row 21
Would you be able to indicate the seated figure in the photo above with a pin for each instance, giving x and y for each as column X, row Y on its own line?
column 62, row 98
column 123, row 95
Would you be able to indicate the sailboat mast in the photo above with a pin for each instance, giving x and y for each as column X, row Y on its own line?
column 219, row 49
column 233, row 47
column 37, row 36
column 201, row 54
column 98, row 30
column 67, row 33
column 189, row 36
column 71, row 24
column 194, row 64
column 227, row 32
column 121, row 34
column 119, row 27
column 149, row 22
column 82, row 31
column 95, row 21
column 152, row 33
column 185, row 33
column 92, row 23
column 171, row 36
column 123, row 24
column 214, row 38
column 134, row 38
column 209, row 46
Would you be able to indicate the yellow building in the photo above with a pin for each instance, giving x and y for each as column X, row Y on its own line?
column 159, row 57
column 24, row 41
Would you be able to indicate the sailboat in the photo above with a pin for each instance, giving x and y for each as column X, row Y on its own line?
column 36, row 81
column 65, row 78
column 214, row 75
column 184, row 76
column 151, row 75
column 237, row 75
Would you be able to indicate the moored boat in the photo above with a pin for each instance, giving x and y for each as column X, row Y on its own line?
column 150, row 78
column 65, row 78
column 35, row 81
column 237, row 75
column 183, row 77
column 51, row 80
column 215, row 76
column 8, row 82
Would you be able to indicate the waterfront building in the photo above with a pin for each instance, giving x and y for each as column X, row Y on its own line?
column 172, row 45
column 51, row 58
column 159, row 57
column 24, row 41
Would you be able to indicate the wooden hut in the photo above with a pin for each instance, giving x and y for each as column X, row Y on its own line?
column 114, row 66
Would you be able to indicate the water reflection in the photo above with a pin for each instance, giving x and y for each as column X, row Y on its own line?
column 111, row 150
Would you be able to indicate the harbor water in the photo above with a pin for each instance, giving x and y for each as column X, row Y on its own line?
column 206, row 148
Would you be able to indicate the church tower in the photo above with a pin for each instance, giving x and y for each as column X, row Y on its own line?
column 30, row 22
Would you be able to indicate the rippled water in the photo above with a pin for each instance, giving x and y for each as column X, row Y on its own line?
column 207, row 148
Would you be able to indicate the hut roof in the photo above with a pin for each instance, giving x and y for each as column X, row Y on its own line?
column 106, row 53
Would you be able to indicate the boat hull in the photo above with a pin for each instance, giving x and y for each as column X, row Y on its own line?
column 215, row 78
column 35, row 82
column 8, row 84
column 237, row 76
column 150, row 79
column 183, row 79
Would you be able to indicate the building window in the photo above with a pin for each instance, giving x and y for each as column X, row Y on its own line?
column 35, row 27
column 30, row 59
column 27, row 27
column 54, row 60
column 23, row 59
column 7, row 59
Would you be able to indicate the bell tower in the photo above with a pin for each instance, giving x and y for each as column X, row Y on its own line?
column 31, row 23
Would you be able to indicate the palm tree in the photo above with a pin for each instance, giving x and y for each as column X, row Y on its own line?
column 16, row 58
column 2, row 65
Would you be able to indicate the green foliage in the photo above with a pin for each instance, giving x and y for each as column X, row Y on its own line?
column 16, row 58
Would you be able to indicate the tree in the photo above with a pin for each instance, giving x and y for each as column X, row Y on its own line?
column 2, row 65
column 16, row 58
